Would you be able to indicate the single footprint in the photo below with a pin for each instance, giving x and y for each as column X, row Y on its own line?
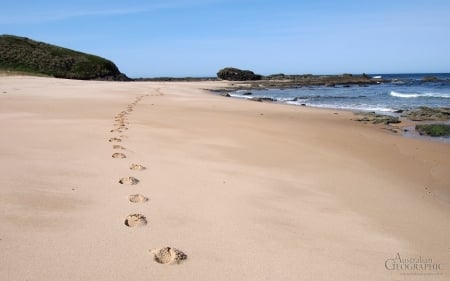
column 135, row 220
column 118, row 147
column 137, row 167
column 115, row 131
column 119, row 155
column 129, row 180
column 168, row 255
column 114, row 140
column 137, row 198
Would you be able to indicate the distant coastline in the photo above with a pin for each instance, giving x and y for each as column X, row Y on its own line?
column 397, row 101
column 385, row 93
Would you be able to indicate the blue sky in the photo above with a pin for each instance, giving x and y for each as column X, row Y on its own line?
column 197, row 38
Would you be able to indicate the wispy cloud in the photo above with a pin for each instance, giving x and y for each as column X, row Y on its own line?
column 52, row 15
column 56, row 15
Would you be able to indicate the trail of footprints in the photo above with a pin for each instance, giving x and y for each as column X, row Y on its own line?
column 165, row 255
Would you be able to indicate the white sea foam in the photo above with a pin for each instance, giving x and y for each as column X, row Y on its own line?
column 424, row 95
column 240, row 96
column 348, row 107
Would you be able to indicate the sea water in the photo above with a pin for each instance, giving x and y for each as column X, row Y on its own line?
column 399, row 92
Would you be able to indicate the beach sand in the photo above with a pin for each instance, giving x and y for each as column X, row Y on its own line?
column 247, row 190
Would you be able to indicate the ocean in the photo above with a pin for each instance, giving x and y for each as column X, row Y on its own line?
column 401, row 92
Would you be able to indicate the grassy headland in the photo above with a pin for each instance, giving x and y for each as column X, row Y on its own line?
column 23, row 55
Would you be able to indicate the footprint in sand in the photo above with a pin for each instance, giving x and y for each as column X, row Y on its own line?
column 135, row 220
column 118, row 147
column 429, row 191
column 119, row 155
column 168, row 255
column 115, row 140
column 129, row 180
column 115, row 131
column 137, row 167
column 137, row 198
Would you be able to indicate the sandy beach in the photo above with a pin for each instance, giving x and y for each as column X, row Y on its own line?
column 246, row 190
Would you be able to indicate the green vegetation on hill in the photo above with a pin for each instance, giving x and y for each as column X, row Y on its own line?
column 19, row 54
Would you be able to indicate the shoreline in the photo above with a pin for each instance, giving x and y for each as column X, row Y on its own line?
column 406, row 127
column 241, row 188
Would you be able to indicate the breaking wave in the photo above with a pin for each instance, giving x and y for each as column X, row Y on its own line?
column 424, row 95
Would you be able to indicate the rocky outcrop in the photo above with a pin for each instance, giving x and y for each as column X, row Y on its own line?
column 262, row 99
column 430, row 79
column 374, row 118
column 428, row 114
column 20, row 54
column 283, row 81
column 235, row 74
column 434, row 130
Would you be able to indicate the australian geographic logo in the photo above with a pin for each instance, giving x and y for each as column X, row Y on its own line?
column 417, row 265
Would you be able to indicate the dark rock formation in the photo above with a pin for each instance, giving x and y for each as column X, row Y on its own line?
column 430, row 79
column 283, row 81
column 24, row 55
column 428, row 114
column 261, row 99
column 434, row 130
column 235, row 74
column 374, row 118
